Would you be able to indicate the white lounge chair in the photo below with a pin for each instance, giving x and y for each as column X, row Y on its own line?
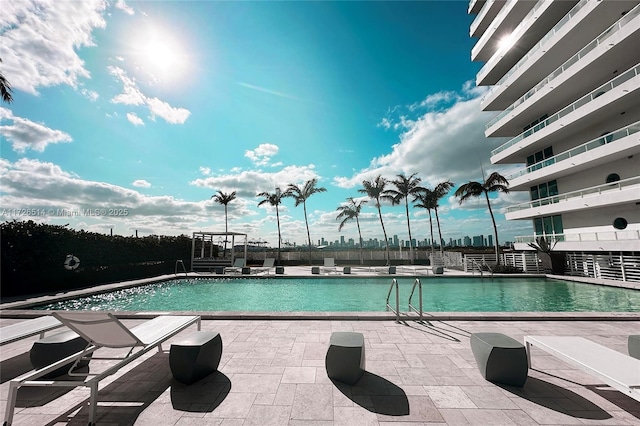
column 329, row 265
column 268, row 263
column 24, row 329
column 616, row 369
column 238, row 264
column 100, row 330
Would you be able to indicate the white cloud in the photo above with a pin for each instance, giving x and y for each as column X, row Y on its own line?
column 134, row 119
column 132, row 95
column 141, row 183
column 24, row 134
column 206, row 171
column 167, row 112
column 39, row 40
column 261, row 156
column 120, row 4
column 443, row 144
column 250, row 183
column 90, row 94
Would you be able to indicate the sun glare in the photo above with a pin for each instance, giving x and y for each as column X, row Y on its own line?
column 161, row 55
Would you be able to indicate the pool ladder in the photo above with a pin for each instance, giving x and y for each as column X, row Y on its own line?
column 394, row 283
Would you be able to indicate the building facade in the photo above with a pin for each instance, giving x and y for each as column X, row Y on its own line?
column 564, row 83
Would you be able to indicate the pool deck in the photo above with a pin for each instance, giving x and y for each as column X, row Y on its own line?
column 272, row 373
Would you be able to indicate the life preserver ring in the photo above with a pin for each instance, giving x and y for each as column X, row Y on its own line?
column 71, row 262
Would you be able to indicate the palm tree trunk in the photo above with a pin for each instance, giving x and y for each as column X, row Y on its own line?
column 406, row 205
column 360, row 234
column 495, row 228
column 439, row 231
column 304, row 205
column 431, row 226
column 279, row 236
column 384, row 231
column 226, row 232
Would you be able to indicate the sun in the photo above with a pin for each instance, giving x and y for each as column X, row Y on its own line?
column 160, row 54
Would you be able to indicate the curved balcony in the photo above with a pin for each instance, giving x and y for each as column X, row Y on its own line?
column 626, row 185
column 581, row 149
column 629, row 74
column 567, row 64
column 528, row 55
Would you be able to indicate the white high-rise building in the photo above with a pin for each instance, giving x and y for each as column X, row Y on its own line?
column 564, row 81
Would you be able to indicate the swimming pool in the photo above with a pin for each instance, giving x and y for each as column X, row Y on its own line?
column 463, row 294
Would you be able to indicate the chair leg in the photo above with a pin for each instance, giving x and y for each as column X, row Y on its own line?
column 11, row 403
column 93, row 403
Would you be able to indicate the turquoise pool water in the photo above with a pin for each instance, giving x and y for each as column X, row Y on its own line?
column 465, row 294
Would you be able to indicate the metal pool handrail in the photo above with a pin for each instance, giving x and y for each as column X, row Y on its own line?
column 394, row 283
column 418, row 283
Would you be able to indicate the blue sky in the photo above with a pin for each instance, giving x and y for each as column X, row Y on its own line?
column 152, row 107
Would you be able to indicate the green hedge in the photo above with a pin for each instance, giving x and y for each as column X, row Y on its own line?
column 33, row 257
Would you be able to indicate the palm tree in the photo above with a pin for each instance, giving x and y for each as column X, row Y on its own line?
column 224, row 199
column 301, row 195
column 351, row 211
column 405, row 186
column 375, row 190
column 426, row 200
column 440, row 191
column 5, row 89
column 274, row 199
column 494, row 183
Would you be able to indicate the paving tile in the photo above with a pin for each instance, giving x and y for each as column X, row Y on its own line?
column 449, row 397
column 312, row 402
column 483, row 417
column 255, row 383
column 267, row 416
column 421, row 409
column 353, row 416
column 299, row 375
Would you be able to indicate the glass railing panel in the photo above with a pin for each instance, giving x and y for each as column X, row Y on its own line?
column 588, row 48
column 627, row 75
column 599, row 189
column 581, row 149
column 538, row 45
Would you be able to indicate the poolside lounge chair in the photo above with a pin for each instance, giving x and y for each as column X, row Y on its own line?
column 329, row 265
column 24, row 329
column 101, row 330
column 620, row 371
column 238, row 264
column 266, row 265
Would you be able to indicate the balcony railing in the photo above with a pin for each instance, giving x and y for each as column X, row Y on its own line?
column 583, row 237
column 516, row 35
column 529, row 54
column 622, row 78
column 575, row 58
column 581, row 149
column 487, row 34
column 607, row 187
column 480, row 16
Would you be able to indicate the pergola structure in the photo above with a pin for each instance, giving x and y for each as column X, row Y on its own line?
column 202, row 249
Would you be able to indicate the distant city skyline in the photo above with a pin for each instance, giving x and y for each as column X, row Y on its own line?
column 129, row 116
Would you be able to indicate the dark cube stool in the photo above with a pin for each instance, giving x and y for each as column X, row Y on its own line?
column 246, row 270
column 346, row 270
column 500, row 358
column 345, row 360
column 53, row 348
column 392, row 270
column 279, row 269
column 315, row 270
column 634, row 346
column 195, row 356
